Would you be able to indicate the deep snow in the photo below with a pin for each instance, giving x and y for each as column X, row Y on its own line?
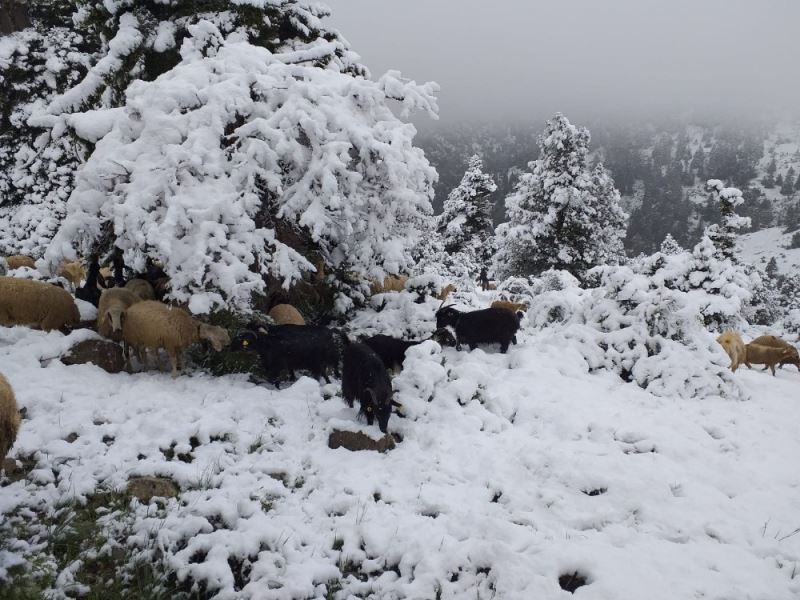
column 490, row 482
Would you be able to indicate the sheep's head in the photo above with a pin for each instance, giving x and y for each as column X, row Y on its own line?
column 217, row 336
column 115, row 316
column 244, row 341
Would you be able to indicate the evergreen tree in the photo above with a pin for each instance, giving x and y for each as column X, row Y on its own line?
column 82, row 55
column 261, row 150
column 779, row 180
column 724, row 235
column 561, row 215
column 772, row 167
column 670, row 247
column 698, row 164
column 797, row 183
column 787, row 188
column 771, row 269
column 466, row 224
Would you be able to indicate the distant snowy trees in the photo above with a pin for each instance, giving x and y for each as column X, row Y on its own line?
column 239, row 142
column 562, row 214
column 465, row 225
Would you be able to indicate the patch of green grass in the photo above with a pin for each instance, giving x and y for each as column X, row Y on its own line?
column 74, row 536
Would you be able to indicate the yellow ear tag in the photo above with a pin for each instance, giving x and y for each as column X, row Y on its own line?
column 245, row 343
column 369, row 409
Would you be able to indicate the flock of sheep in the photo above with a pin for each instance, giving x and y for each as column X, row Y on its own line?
column 767, row 350
column 131, row 311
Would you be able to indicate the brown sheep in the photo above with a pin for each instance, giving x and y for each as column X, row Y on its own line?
column 141, row 288
column 733, row 345
column 514, row 307
column 446, row 291
column 776, row 342
column 18, row 260
column 73, row 272
column 153, row 325
column 286, row 314
column 9, row 417
column 36, row 304
column 110, row 310
column 389, row 284
column 764, row 355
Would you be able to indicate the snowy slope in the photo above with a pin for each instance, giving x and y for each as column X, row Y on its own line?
column 758, row 247
column 488, row 494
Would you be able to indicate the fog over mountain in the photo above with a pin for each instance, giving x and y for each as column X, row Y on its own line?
column 621, row 58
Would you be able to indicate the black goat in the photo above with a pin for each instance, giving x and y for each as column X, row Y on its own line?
column 487, row 326
column 365, row 378
column 292, row 347
column 89, row 291
column 392, row 351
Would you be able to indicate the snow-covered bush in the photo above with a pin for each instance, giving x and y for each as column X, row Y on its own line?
column 648, row 321
column 240, row 163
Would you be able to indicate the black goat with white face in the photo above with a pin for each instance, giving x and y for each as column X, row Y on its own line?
column 365, row 378
column 487, row 326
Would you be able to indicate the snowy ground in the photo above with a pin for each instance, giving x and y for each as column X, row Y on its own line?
column 758, row 247
column 513, row 470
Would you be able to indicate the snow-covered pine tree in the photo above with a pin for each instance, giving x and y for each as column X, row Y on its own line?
column 670, row 247
column 80, row 55
column 771, row 270
column 465, row 224
column 262, row 150
column 725, row 234
column 562, row 215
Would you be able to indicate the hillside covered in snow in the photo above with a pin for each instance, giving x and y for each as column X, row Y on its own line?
column 513, row 471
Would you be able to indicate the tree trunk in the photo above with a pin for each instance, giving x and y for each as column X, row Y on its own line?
column 13, row 16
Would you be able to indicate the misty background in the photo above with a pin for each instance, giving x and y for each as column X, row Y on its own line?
column 517, row 59
column 673, row 92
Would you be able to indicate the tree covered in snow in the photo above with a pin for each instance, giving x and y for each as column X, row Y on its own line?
column 263, row 150
column 36, row 171
column 466, row 222
column 669, row 246
column 80, row 55
column 562, row 214
column 724, row 235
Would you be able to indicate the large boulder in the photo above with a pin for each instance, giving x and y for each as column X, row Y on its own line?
column 103, row 353
column 357, row 440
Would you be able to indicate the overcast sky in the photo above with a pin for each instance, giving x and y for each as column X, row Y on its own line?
column 587, row 58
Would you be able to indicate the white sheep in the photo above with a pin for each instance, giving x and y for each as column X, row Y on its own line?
column 286, row 314
column 36, row 304
column 111, row 309
column 153, row 325
column 9, row 417
column 141, row 288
